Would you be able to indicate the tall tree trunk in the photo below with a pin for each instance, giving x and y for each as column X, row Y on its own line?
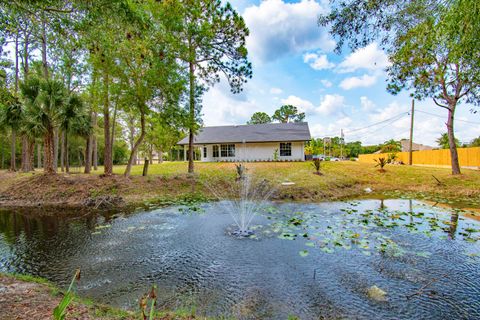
column 88, row 155
column 114, row 121
column 191, row 117
column 136, row 145
column 16, row 64
column 160, row 155
column 25, row 155
column 95, row 144
column 13, row 166
column 31, row 153
column 3, row 158
column 131, row 137
column 39, row 155
column 67, row 157
column 48, row 151
column 93, row 121
column 44, row 47
column 24, row 146
column 25, row 56
column 107, row 154
column 55, row 149
column 62, row 150
column 451, row 140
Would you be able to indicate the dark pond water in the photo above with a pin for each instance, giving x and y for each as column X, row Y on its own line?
column 314, row 261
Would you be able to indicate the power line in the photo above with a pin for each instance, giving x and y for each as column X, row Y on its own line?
column 391, row 121
column 436, row 115
column 377, row 123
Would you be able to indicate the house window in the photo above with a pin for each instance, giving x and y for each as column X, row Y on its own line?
column 215, row 152
column 204, row 152
column 285, row 149
column 227, row 150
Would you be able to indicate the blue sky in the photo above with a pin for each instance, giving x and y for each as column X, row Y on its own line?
column 294, row 63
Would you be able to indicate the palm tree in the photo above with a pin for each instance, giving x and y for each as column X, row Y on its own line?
column 391, row 146
column 44, row 99
column 82, row 127
column 11, row 117
column 71, row 117
column 443, row 141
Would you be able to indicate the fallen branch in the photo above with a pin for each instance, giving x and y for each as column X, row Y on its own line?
column 440, row 183
column 424, row 287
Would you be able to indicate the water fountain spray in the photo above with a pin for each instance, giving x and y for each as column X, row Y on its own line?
column 251, row 195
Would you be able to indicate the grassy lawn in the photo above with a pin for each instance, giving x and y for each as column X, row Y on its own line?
column 335, row 175
column 168, row 180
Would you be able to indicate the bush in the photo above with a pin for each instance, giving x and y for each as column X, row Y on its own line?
column 317, row 163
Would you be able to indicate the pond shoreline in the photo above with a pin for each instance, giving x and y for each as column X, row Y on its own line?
column 339, row 181
column 25, row 297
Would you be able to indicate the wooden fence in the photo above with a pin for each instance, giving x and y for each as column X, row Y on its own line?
column 468, row 157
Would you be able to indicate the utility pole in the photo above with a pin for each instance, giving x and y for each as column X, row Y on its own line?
column 341, row 143
column 324, row 141
column 410, row 159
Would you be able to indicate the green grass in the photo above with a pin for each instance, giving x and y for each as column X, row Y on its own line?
column 339, row 180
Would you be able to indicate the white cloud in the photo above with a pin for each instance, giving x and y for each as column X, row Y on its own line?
column 276, row 91
column 393, row 109
column 318, row 61
column 301, row 104
column 370, row 57
column 331, row 104
column 279, row 29
column 367, row 104
column 332, row 129
column 326, row 83
column 317, row 130
column 221, row 107
column 344, row 122
column 356, row 82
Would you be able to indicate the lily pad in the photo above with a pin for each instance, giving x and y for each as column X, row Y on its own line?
column 303, row 253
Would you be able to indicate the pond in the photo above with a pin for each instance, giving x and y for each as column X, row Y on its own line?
column 369, row 259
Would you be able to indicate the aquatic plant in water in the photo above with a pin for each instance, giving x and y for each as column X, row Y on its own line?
column 367, row 230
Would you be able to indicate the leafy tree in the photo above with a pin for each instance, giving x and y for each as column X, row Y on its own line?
column 433, row 46
column 259, row 118
column 288, row 113
column 391, row 146
column 150, row 77
column 11, row 116
column 210, row 37
column 73, row 119
column 444, row 143
column 353, row 149
column 475, row 142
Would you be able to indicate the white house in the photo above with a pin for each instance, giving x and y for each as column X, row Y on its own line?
column 257, row 142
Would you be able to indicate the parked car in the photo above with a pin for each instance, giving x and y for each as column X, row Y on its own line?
column 318, row 156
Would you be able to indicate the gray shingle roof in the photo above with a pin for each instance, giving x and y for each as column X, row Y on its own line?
column 271, row 132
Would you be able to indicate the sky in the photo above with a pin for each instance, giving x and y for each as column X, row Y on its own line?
column 294, row 63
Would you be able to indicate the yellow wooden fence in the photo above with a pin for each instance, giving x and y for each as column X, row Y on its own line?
column 468, row 157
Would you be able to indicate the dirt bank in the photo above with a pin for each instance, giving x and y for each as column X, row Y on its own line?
column 27, row 298
column 31, row 298
column 169, row 182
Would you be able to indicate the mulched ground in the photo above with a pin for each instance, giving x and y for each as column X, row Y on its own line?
column 21, row 300
column 25, row 300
